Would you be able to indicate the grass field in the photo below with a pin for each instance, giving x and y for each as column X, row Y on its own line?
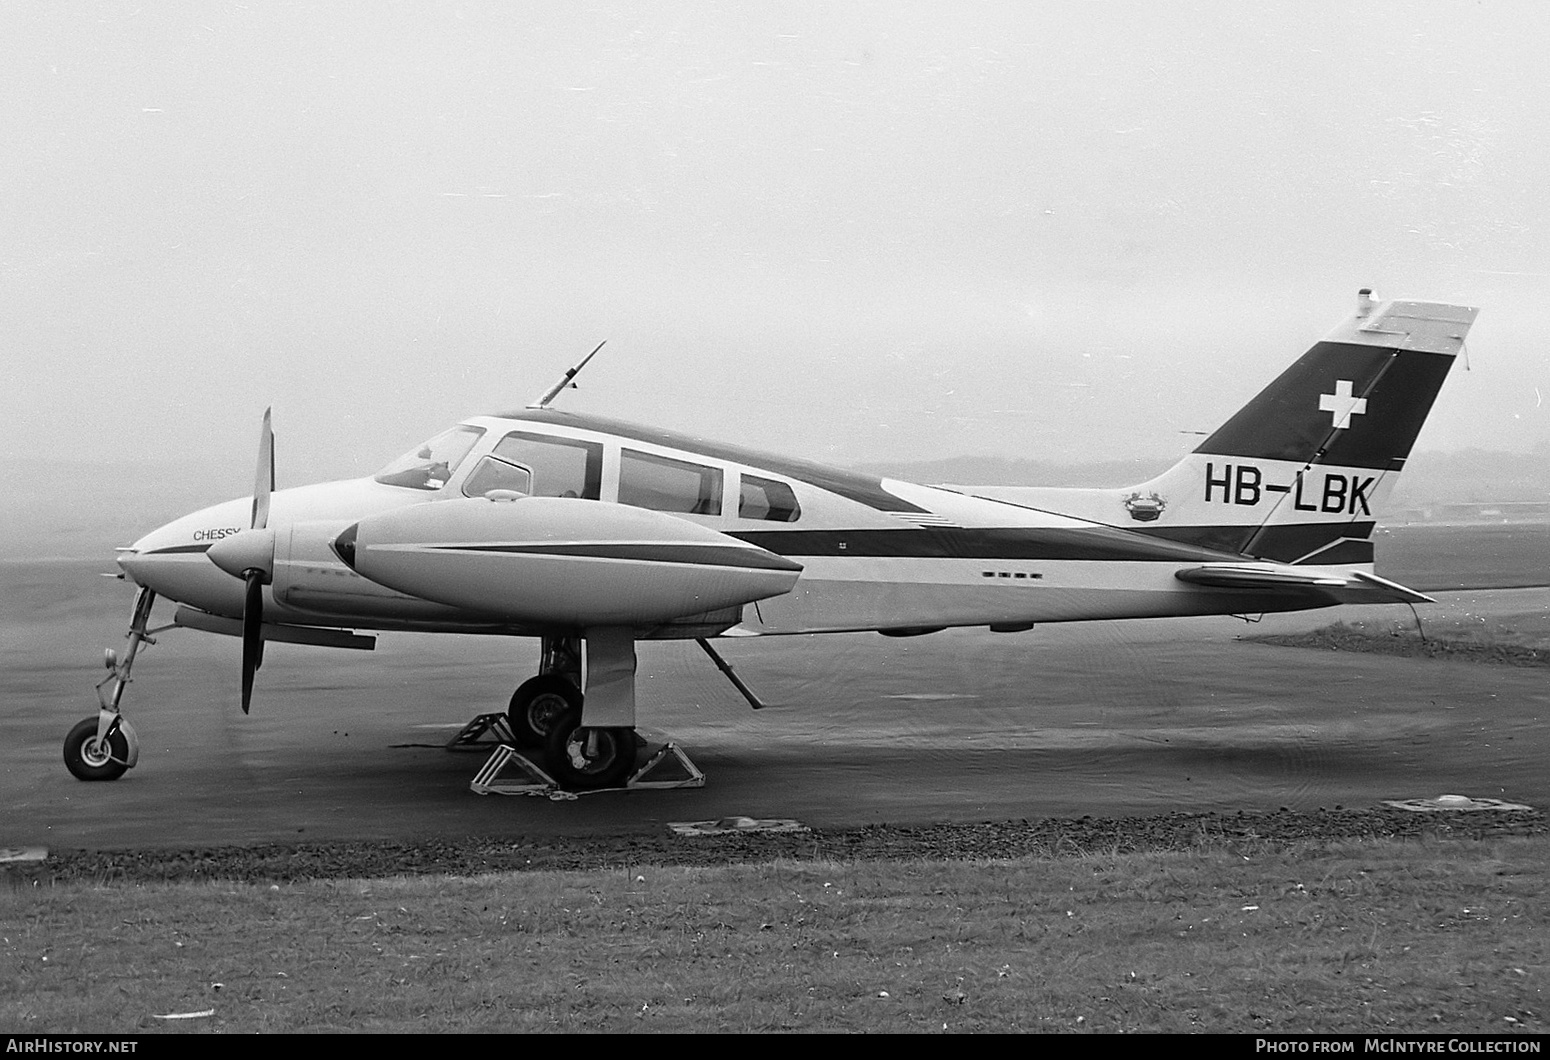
column 1433, row 935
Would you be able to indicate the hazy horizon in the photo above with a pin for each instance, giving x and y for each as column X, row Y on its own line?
column 61, row 526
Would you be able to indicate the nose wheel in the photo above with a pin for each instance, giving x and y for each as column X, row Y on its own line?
column 92, row 757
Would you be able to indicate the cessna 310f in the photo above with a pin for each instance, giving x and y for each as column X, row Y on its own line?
column 591, row 534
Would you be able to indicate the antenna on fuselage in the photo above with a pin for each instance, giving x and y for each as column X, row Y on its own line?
column 565, row 380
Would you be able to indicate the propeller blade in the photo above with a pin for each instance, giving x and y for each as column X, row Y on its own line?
column 252, row 634
column 263, row 479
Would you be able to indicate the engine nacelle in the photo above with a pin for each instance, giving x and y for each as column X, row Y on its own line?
column 562, row 561
column 309, row 579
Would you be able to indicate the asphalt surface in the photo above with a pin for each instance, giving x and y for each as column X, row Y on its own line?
column 1102, row 719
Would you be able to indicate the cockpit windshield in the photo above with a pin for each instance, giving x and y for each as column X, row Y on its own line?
column 429, row 466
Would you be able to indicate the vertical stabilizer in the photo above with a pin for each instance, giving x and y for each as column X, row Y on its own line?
column 1299, row 474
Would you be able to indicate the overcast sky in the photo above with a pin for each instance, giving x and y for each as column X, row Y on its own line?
column 852, row 232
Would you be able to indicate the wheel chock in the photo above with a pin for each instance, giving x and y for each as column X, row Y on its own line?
column 677, row 770
column 483, row 730
column 670, row 767
column 488, row 780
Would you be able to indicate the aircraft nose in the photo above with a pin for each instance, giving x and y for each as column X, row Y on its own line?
column 155, row 550
column 128, row 561
column 171, row 559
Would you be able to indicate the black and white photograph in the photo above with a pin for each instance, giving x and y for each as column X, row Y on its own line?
column 769, row 518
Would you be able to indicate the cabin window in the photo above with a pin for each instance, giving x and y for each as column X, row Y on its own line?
column 540, row 466
column 764, row 498
column 666, row 485
column 429, row 466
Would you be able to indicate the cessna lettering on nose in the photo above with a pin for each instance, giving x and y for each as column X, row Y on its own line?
column 588, row 535
column 1245, row 484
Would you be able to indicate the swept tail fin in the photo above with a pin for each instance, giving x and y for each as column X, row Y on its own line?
column 1299, row 474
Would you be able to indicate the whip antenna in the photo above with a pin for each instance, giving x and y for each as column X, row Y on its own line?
column 565, row 380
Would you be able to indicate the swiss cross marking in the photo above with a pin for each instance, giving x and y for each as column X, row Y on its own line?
column 1341, row 405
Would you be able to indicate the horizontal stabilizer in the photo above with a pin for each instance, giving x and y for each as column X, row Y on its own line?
column 1400, row 594
column 1355, row 587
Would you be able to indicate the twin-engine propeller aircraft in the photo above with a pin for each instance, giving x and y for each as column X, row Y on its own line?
column 591, row 534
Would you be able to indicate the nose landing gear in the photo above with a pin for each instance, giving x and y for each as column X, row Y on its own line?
column 104, row 747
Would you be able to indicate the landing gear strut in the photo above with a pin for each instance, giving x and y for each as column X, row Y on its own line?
column 105, row 746
column 579, row 713
column 581, row 708
column 582, row 721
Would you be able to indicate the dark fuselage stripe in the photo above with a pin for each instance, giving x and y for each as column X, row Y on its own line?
column 698, row 555
column 176, row 548
column 1009, row 543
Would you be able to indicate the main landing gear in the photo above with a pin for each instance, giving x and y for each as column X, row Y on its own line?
column 581, row 730
column 547, row 711
column 104, row 747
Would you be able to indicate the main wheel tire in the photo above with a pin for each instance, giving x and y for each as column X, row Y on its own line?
column 88, row 758
column 536, row 704
column 586, row 759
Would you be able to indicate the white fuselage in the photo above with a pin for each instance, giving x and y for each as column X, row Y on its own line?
column 874, row 554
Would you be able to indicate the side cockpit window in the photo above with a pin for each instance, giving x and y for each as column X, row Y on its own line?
column 429, row 466
column 539, row 466
column 764, row 498
column 666, row 485
column 492, row 473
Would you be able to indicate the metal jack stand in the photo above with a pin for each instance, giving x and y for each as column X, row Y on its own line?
column 488, row 780
column 669, row 768
column 483, row 730
column 666, row 760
